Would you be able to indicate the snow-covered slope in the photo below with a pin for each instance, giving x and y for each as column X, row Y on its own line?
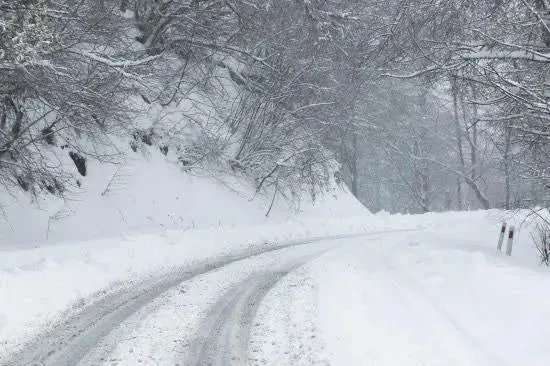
column 58, row 256
column 147, row 219
column 441, row 295
column 435, row 300
column 150, row 194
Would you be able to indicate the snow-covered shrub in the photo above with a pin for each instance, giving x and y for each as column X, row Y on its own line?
column 276, row 149
column 25, row 32
column 236, row 94
column 65, row 78
column 541, row 238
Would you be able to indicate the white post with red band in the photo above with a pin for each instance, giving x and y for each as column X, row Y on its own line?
column 501, row 238
column 510, row 240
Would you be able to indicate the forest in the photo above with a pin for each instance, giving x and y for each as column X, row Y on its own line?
column 416, row 105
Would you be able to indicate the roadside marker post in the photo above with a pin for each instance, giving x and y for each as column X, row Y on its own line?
column 510, row 241
column 501, row 238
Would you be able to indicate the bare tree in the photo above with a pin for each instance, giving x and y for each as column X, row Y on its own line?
column 59, row 83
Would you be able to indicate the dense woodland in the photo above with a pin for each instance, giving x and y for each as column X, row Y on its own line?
column 416, row 105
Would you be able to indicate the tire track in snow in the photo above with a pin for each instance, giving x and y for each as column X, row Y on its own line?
column 223, row 339
column 467, row 336
column 73, row 338
column 412, row 292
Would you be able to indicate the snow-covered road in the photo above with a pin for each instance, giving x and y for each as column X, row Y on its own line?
column 97, row 333
column 393, row 298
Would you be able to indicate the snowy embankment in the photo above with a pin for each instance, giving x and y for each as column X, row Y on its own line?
column 152, row 218
column 440, row 296
column 60, row 256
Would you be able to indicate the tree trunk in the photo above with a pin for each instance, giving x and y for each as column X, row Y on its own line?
column 507, row 179
column 506, row 157
column 540, row 6
column 459, row 194
column 353, row 167
column 479, row 195
column 458, row 136
column 458, row 131
column 448, row 201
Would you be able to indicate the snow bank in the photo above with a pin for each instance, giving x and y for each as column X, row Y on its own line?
column 479, row 230
column 442, row 296
column 131, row 220
column 36, row 284
column 148, row 194
column 62, row 255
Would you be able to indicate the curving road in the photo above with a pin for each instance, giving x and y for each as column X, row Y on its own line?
column 222, row 334
column 287, row 305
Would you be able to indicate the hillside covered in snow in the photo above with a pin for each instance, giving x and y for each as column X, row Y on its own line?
column 274, row 182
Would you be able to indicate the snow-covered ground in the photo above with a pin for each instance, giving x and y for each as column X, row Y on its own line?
column 438, row 293
column 158, row 219
column 411, row 300
column 437, row 296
